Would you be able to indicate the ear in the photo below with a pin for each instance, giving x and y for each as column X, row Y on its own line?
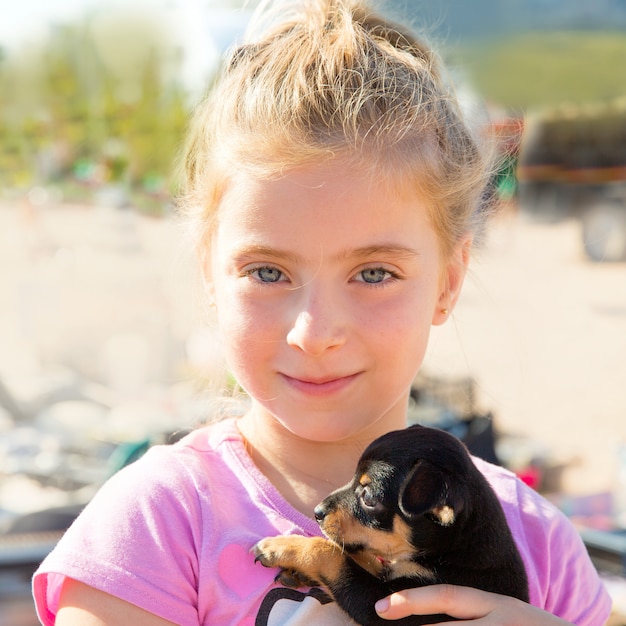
column 452, row 280
column 426, row 490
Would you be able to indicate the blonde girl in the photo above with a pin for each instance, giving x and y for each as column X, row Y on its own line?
column 334, row 187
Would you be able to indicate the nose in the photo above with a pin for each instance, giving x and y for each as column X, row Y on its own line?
column 320, row 513
column 318, row 324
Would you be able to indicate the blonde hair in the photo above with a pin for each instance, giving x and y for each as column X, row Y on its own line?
column 331, row 78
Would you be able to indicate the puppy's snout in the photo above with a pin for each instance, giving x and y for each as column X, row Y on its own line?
column 320, row 513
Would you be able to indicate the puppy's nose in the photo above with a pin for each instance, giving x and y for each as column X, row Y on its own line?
column 320, row 513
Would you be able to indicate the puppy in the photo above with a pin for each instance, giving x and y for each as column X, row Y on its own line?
column 418, row 512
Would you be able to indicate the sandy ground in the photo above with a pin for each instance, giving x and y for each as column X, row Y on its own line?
column 542, row 330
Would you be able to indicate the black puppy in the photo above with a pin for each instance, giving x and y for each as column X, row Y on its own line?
column 418, row 512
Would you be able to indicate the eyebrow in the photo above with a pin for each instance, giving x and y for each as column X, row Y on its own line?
column 392, row 250
column 253, row 250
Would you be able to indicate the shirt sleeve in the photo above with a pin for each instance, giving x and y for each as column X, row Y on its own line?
column 574, row 591
column 562, row 577
column 136, row 540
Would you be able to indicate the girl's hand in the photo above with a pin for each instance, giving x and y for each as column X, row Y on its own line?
column 464, row 603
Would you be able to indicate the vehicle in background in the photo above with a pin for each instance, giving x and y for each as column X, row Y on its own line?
column 572, row 164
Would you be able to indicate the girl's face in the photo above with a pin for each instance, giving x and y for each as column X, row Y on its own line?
column 326, row 284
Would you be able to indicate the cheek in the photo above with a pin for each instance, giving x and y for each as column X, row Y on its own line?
column 247, row 332
column 403, row 333
column 244, row 353
column 409, row 316
column 238, row 327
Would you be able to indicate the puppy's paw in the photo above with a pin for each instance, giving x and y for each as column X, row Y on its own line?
column 294, row 579
column 283, row 551
column 266, row 553
column 291, row 554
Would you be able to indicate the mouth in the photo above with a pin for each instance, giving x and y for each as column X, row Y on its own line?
column 321, row 386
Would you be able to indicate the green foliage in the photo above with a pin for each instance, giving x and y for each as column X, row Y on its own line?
column 539, row 68
column 89, row 105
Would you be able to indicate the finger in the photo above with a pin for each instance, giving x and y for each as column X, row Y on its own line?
column 459, row 602
column 465, row 603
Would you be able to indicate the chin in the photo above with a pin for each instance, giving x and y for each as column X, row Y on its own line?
column 333, row 428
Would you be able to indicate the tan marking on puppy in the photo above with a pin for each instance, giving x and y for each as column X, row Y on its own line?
column 315, row 557
column 365, row 480
column 369, row 562
column 385, row 554
column 445, row 514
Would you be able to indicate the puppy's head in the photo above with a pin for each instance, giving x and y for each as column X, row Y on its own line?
column 405, row 505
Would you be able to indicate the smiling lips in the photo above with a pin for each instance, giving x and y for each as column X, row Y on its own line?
column 321, row 387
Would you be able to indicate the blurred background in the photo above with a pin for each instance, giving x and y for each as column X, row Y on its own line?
column 105, row 349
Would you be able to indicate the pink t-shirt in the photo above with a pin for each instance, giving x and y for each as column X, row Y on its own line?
column 172, row 534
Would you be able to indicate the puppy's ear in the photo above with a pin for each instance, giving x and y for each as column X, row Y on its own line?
column 426, row 490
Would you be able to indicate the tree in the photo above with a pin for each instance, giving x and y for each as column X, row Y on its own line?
column 84, row 96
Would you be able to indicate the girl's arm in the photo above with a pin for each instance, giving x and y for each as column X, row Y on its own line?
column 464, row 603
column 81, row 605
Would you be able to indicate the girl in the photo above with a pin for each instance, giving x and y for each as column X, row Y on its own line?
column 334, row 189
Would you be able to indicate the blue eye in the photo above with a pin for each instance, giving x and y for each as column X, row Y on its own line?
column 267, row 274
column 374, row 275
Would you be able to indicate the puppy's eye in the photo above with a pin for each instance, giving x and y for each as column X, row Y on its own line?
column 368, row 498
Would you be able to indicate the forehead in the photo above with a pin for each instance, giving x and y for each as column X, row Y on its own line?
column 331, row 182
column 319, row 201
column 376, row 471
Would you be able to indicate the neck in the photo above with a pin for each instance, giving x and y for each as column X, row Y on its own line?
column 304, row 471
